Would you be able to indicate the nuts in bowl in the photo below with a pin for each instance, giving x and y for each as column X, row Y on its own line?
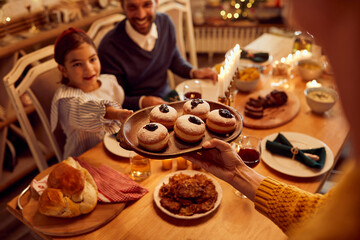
column 310, row 69
column 321, row 99
column 247, row 79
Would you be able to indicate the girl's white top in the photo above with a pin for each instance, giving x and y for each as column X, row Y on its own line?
column 81, row 114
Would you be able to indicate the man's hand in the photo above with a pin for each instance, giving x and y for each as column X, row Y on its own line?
column 152, row 101
column 205, row 73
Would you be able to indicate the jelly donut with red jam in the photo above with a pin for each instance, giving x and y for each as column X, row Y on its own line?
column 221, row 121
column 189, row 128
column 197, row 107
column 153, row 137
column 164, row 114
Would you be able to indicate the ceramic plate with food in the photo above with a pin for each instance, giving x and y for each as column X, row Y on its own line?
column 188, row 176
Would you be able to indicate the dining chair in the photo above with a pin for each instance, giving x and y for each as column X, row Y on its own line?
column 180, row 13
column 100, row 27
column 24, row 78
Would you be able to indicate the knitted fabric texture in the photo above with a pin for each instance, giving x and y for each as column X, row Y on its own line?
column 287, row 206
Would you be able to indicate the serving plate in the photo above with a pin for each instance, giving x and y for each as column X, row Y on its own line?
column 274, row 116
column 293, row 167
column 64, row 227
column 165, row 180
column 176, row 147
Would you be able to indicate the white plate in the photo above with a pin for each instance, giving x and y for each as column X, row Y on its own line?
column 190, row 173
column 114, row 147
column 293, row 167
column 209, row 90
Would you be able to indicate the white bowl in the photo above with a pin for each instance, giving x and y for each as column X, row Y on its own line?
column 249, row 84
column 310, row 69
column 321, row 99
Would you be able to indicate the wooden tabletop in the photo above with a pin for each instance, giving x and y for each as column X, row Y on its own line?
column 235, row 218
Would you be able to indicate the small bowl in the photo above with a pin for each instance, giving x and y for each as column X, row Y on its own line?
column 248, row 79
column 321, row 99
column 310, row 69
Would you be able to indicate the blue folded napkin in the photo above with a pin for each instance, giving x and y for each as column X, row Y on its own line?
column 283, row 147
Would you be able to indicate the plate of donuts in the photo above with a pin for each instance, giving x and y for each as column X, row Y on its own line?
column 183, row 130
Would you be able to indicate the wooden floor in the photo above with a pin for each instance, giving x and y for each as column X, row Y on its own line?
column 13, row 229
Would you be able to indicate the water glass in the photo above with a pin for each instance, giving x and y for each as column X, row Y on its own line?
column 139, row 167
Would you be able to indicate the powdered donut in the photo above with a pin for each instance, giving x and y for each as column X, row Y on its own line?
column 197, row 107
column 164, row 114
column 221, row 121
column 189, row 128
column 153, row 137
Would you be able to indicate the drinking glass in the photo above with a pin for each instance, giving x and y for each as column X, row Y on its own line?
column 139, row 167
column 192, row 89
column 249, row 149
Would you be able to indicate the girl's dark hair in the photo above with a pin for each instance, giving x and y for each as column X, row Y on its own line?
column 69, row 40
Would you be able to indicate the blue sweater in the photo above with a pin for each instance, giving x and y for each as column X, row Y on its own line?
column 139, row 72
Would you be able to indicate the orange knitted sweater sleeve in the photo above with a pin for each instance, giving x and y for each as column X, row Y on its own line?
column 287, row 206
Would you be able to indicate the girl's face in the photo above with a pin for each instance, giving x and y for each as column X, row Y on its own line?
column 82, row 68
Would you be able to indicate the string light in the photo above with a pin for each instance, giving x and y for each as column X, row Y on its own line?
column 238, row 8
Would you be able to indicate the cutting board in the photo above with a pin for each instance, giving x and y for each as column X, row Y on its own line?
column 65, row 227
column 273, row 117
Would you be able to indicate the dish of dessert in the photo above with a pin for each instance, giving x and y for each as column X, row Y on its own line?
column 155, row 132
column 201, row 196
column 269, row 108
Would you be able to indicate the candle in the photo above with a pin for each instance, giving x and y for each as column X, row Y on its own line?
column 313, row 84
column 221, row 92
column 181, row 163
column 167, row 164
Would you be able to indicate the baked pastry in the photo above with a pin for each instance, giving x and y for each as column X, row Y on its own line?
column 164, row 114
column 221, row 121
column 153, row 137
column 254, row 108
column 197, row 107
column 71, row 191
column 189, row 128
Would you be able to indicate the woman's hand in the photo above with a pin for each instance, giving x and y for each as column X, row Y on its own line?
column 217, row 157
column 220, row 159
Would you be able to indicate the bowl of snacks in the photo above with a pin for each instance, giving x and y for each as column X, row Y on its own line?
column 310, row 69
column 321, row 99
column 247, row 79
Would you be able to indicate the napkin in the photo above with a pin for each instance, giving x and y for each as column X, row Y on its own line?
column 112, row 186
column 255, row 57
column 283, row 147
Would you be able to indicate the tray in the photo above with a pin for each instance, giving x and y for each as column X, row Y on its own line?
column 273, row 117
column 65, row 227
column 176, row 147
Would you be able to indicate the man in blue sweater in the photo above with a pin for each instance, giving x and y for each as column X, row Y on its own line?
column 140, row 50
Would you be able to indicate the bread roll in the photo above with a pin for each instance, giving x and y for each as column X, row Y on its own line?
column 71, row 191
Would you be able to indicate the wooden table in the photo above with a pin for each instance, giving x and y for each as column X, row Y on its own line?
column 235, row 218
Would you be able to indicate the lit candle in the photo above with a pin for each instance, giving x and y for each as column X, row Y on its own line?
column 181, row 163
column 313, row 84
column 167, row 164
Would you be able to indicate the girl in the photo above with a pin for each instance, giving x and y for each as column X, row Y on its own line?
column 87, row 104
